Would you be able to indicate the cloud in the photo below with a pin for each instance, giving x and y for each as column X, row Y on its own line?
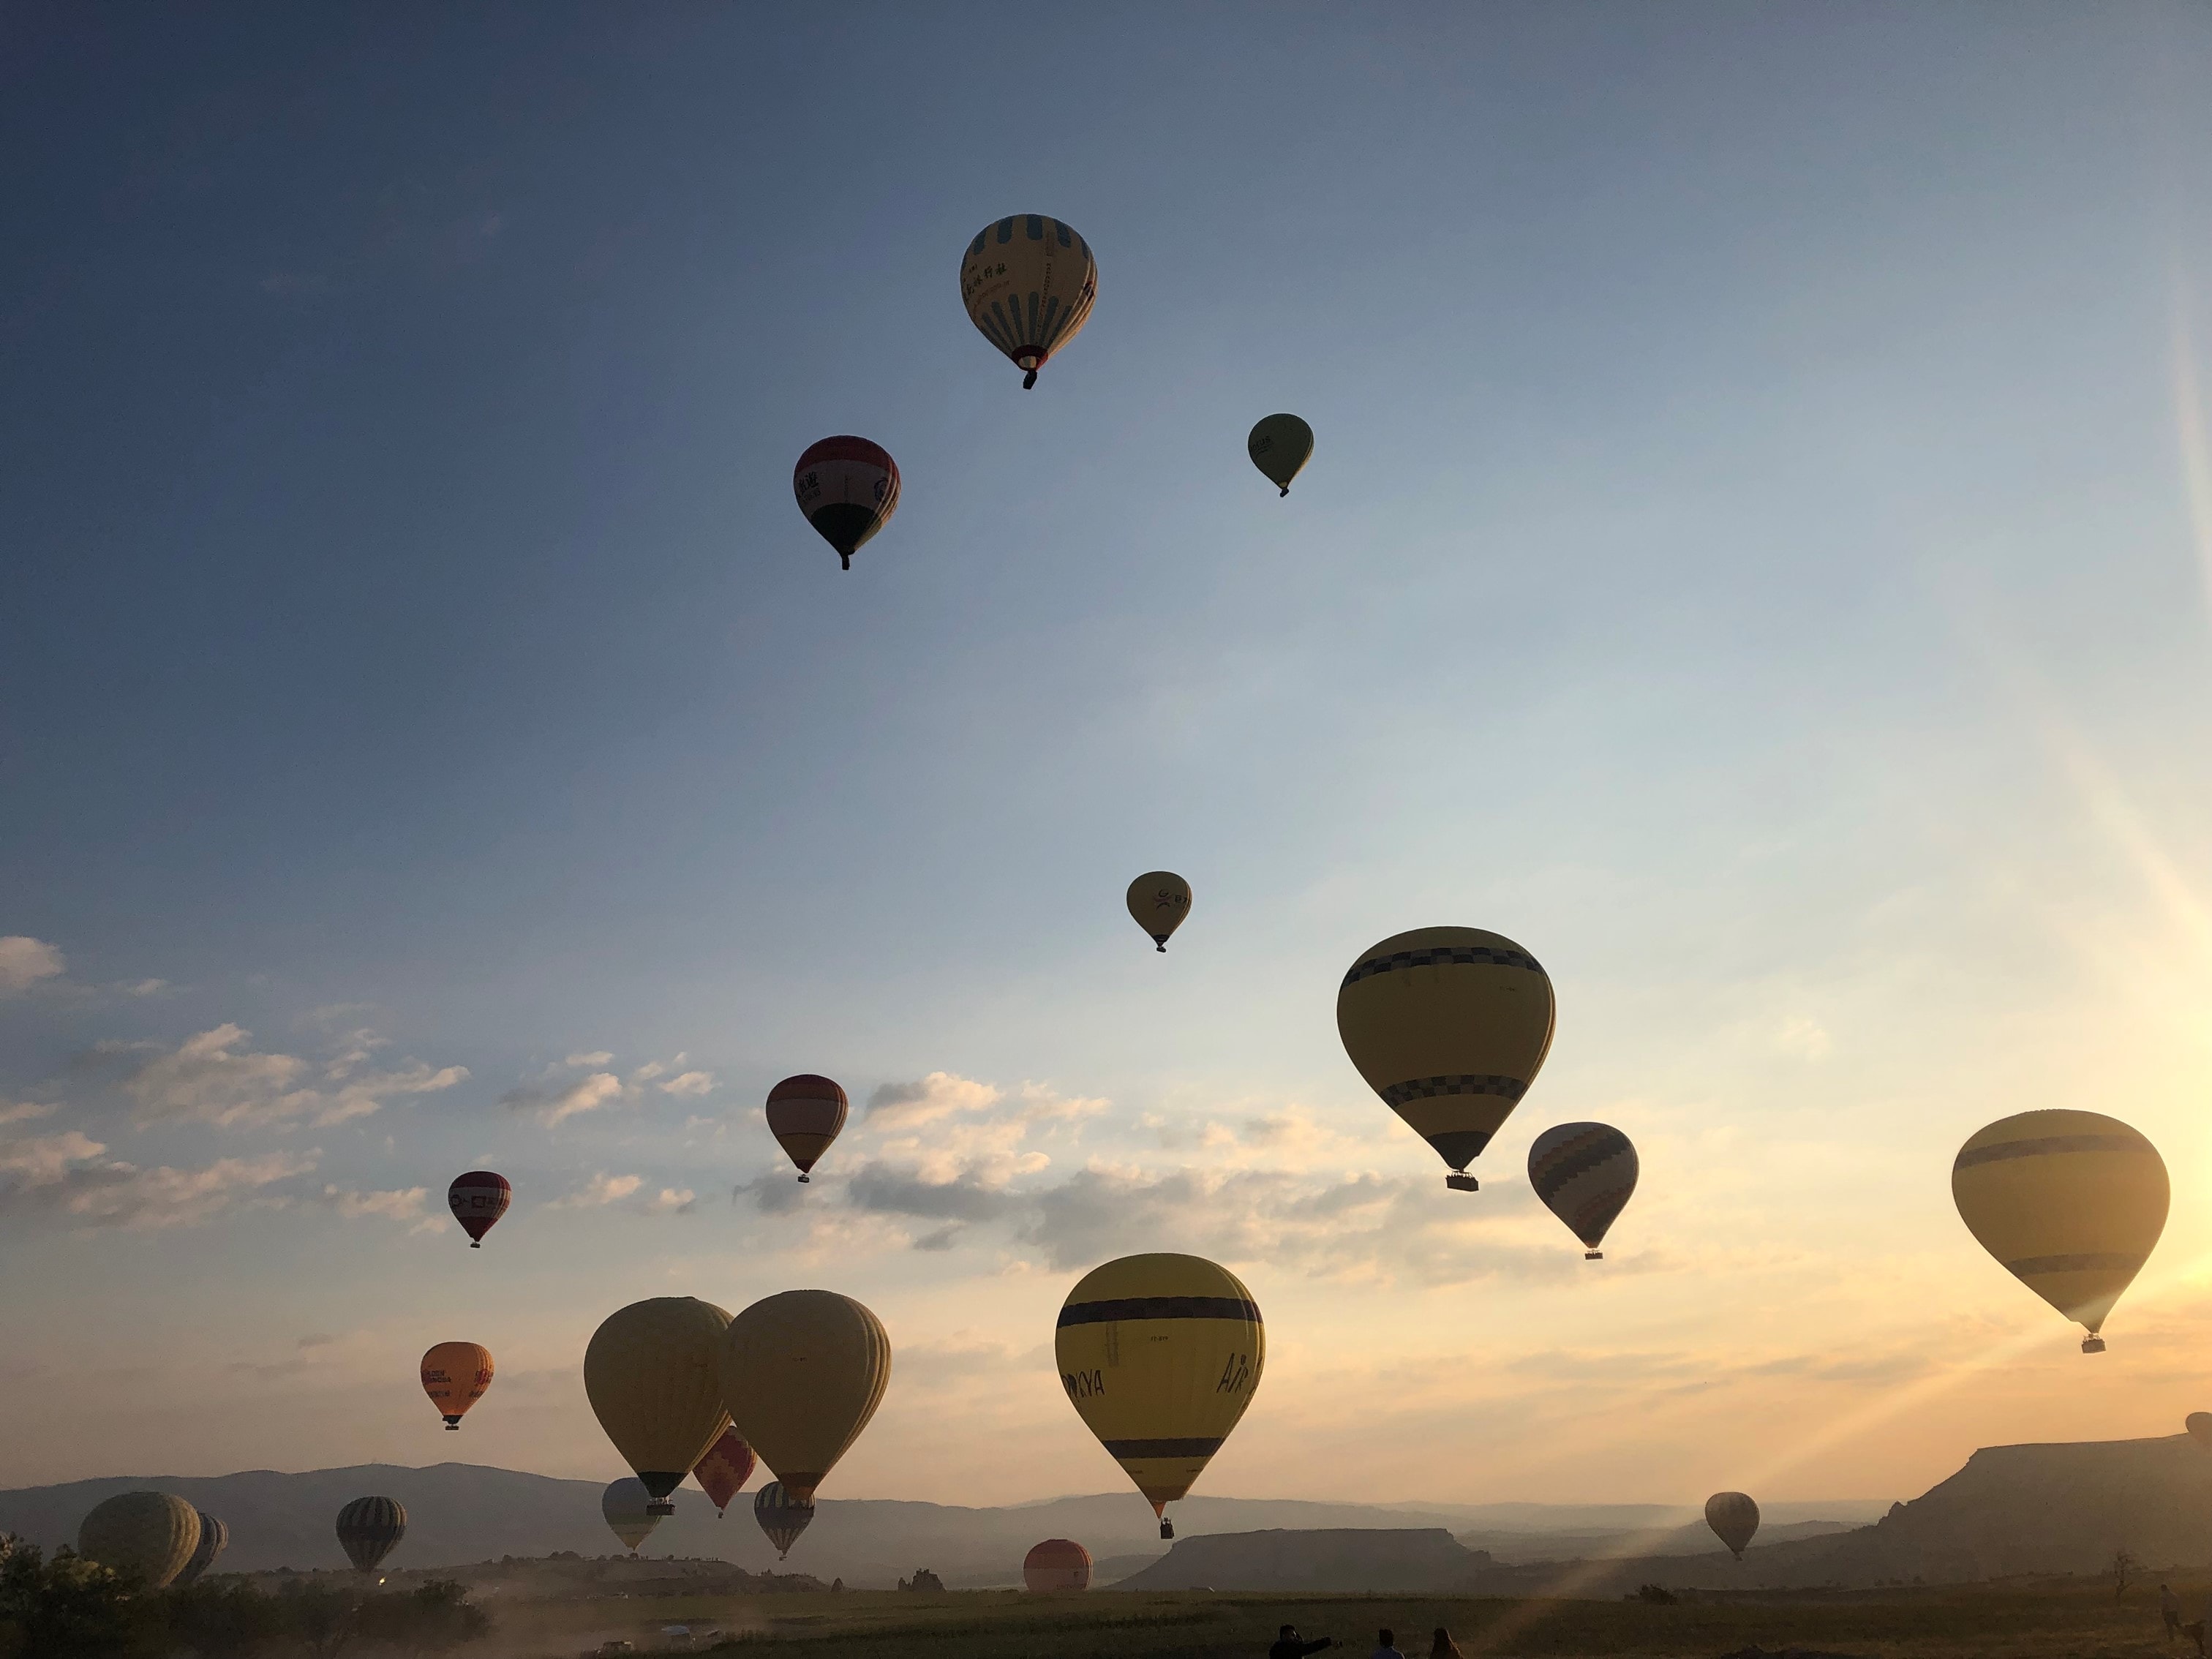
column 144, row 987
column 24, row 962
column 403, row 1205
column 553, row 1101
column 97, row 1192
column 690, row 1084
column 18, row 1111
column 1806, row 1038
column 215, row 1078
column 596, row 1059
column 885, row 1190
column 939, row 1095
column 627, row 1190
column 584, row 1094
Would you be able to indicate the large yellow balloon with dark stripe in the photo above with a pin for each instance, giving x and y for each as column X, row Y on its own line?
column 1160, row 1355
column 2071, row 1203
column 145, row 1536
column 1450, row 1026
column 1028, row 281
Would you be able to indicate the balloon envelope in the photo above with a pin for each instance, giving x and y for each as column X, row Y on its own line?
column 2070, row 1203
column 478, row 1199
column 805, row 1114
column 1281, row 446
column 651, row 1373
column 1057, row 1564
column 146, row 1535
column 728, row 1464
column 1732, row 1518
column 1028, row 283
column 1450, row 1026
column 1585, row 1173
column 455, row 1375
column 627, row 1508
column 215, row 1538
column 802, row 1373
column 1158, row 901
column 781, row 1516
column 848, row 489
column 1160, row 1355
column 370, row 1528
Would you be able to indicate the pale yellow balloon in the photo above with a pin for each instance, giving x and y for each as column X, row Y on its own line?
column 653, row 1373
column 1450, row 1026
column 1160, row 1354
column 146, row 1535
column 2070, row 1203
column 802, row 1373
column 1028, row 282
column 1158, row 900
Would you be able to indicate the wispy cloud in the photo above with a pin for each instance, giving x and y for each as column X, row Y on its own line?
column 26, row 962
column 627, row 1191
column 218, row 1078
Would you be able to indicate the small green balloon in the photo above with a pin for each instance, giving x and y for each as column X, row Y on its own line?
column 1281, row 446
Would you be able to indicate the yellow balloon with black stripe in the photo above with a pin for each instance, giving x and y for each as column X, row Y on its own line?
column 2070, row 1203
column 1450, row 1026
column 1160, row 1355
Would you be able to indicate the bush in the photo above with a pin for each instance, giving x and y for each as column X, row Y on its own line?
column 1657, row 1595
column 69, row 1608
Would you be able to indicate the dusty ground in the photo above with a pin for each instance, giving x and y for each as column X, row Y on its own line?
column 2028, row 1619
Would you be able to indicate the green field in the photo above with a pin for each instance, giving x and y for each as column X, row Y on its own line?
column 2066, row 1617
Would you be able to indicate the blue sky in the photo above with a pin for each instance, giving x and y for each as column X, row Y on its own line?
column 1748, row 558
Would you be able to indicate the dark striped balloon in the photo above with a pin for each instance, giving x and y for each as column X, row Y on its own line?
column 370, row 1528
column 215, row 1538
column 781, row 1516
column 1585, row 1173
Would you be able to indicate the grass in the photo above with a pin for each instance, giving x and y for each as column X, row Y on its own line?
column 2030, row 1619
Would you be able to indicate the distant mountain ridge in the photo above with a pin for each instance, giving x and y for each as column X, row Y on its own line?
column 461, row 1513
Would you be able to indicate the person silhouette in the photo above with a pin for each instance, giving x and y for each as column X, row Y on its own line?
column 1288, row 1645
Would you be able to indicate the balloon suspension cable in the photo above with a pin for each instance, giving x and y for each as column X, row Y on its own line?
column 1029, row 380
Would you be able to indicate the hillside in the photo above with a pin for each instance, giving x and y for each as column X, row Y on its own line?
column 1337, row 1559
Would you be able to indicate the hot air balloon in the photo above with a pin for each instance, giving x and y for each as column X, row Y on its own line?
column 370, row 1528
column 2070, row 1203
column 1281, row 446
column 1450, row 1026
column 1057, row 1564
column 1160, row 1355
column 1732, row 1518
column 1585, row 1173
column 802, row 1373
column 145, row 1536
column 1159, row 900
column 215, row 1538
column 478, row 1199
column 848, row 489
column 1028, row 283
column 455, row 1375
column 781, row 1516
column 628, row 1510
column 2199, row 1425
column 728, row 1464
column 805, row 1113
column 651, row 1373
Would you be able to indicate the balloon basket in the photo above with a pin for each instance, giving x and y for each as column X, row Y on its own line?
column 1460, row 1182
column 2093, row 1345
column 661, row 1506
column 454, row 1423
column 806, row 1181
column 475, row 1243
column 1593, row 1255
column 1167, row 1527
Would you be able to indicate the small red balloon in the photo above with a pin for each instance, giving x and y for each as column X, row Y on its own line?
column 478, row 1199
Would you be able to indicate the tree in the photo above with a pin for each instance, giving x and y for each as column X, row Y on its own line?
column 430, row 1619
column 69, row 1609
column 2122, row 1571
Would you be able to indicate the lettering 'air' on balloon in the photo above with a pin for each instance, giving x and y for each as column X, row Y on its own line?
column 370, row 1528
column 802, row 1373
column 627, row 1508
column 728, row 1464
column 1160, row 1354
column 781, row 1516
column 1057, row 1564
column 145, row 1536
column 2070, row 1203
column 1734, row 1518
column 1281, row 446
column 215, row 1538
column 1450, row 1026
column 2199, row 1425
column 804, row 1114
column 848, row 489
column 455, row 1375
column 1028, row 282
column 651, row 1374
column 1158, row 901
column 478, row 1199
column 1585, row 1173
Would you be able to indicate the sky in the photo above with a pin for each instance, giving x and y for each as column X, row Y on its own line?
column 1757, row 555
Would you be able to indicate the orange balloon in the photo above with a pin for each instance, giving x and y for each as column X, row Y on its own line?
column 455, row 1375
